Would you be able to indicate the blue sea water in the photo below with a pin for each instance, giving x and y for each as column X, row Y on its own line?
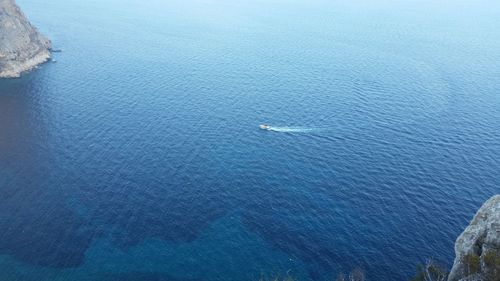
column 138, row 157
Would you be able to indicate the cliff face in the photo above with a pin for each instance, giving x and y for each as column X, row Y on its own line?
column 477, row 249
column 22, row 48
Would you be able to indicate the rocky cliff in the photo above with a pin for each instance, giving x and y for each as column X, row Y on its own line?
column 477, row 249
column 22, row 48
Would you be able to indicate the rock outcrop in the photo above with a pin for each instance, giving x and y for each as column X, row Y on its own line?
column 22, row 48
column 477, row 249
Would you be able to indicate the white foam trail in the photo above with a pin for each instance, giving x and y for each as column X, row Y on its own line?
column 291, row 129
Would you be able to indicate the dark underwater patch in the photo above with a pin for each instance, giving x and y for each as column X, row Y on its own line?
column 39, row 233
column 142, row 276
column 41, row 225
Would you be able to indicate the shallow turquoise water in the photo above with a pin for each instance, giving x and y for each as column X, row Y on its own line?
column 138, row 155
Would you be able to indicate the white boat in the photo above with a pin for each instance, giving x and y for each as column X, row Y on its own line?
column 265, row 127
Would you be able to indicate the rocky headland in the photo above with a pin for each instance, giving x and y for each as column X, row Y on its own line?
column 477, row 249
column 22, row 47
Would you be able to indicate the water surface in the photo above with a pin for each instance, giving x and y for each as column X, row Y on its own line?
column 138, row 155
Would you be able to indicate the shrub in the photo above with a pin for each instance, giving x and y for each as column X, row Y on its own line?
column 491, row 261
column 431, row 271
column 340, row 277
column 472, row 263
column 357, row 275
column 277, row 278
column 491, row 258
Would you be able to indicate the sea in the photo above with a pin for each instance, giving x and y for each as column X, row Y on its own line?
column 138, row 156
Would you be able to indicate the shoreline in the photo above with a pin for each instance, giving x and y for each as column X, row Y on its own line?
column 14, row 69
column 22, row 47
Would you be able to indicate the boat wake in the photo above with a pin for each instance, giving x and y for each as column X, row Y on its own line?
column 291, row 129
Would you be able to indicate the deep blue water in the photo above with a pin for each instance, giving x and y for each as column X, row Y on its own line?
column 138, row 155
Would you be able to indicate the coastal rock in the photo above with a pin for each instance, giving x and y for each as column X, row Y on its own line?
column 22, row 48
column 477, row 249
